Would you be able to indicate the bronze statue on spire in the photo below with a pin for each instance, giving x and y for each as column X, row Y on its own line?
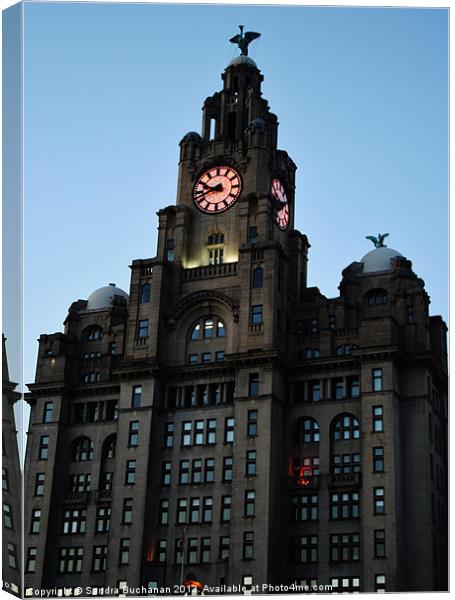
column 243, row 40
column 378, row 241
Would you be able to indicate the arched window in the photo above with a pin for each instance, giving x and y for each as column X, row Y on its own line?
column 306, row 431
column 206, row 328
column 108, row 449
column 345, row 427
column 377, row 297
column 93, row 333
column 82, row 449
column 145, row 293
column 258, row 277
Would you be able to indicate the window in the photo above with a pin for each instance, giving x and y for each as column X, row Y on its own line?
column 12, row 555
column 379, row 583
column 252, row 235
column 228, row 462
column 226, row 502
column 206, row 357
column 35, row 521
column 136, row 396
column 344, row 505
column 92, row 377
column 315, row 390
column 74, row 520
column 345, row 463
column 30, row 561
column 211, row 431
column 192, row 556
column 314, row 326
column 5, row 483
column 345, row 547
column 332, row 322
column 182, row 507
column 99, row 559
column 207, row 509
column 229, row 425
column 250, row 469
column 377, row 297
column 108, row 451
column 39, row 484
column 82, row 450
column 70, row 560
column 94, row 333
column 252, row 423
column 143, row 328
column 306, row 431
column 378, row 500
column 304, row 507
column 166, row 471
column 219, row 356
column 184, row 472
column 103, row 518
column 305, row 549
column 130, row 473
column 379, row 543
column 354, row 387
column 133, row 434
column 195, row 508
column 199, row 433
column 258, row 277
column 256, row 314
column 378, row 459
column 161, row 551
column 377, row 380
column 248, row 545
column 249, row 506
column 127, row 512
column 124, row 554
column 48, row 412
column 7, row 516
column 43, row 451
column 205, row 550
column 170, row 247
column 378, row 418
column 345, row 584
column 338, row 388
column 164, row 512
column 169, row 435
column 196, row 471
column 186, row 433
column 193, row 359
column 312, row 353
column 224, row 547
column 145, row 293
column 209, row 472
column 106, row 478
column 409, row 314
column 208, row 327
column 346, row 427
column 253, row 384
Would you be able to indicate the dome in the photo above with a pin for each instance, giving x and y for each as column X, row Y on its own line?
column 102, row 297
column 192, row 136
column 379, row 259
column 242, row 60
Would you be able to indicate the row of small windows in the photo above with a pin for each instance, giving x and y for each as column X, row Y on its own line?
column 342, row 505
column 336, row 388
column 200, row 396
column 206, row 357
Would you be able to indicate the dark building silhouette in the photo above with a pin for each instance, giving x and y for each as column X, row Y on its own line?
column 223, row 422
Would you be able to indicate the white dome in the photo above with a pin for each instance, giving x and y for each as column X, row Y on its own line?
column 242, row 60
column 379, row 259
column 102, row 297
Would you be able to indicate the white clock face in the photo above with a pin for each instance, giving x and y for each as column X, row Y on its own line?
column 282, row 215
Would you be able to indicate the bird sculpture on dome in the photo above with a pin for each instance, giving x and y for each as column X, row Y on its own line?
column 243, row 40
column 378, row 241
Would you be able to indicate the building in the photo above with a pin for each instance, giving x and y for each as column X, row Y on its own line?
column 225, row 423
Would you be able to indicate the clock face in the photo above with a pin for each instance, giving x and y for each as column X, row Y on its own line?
column 217, row 189
column 282, row 215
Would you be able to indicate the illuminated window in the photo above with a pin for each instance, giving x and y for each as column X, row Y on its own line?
column 215, row 247
column 39, row 484
column 250, row 463
column 166, row 471
column 345, row 547
column 345, row 584
column 249, row 506
column 74, row 520
column 127, row 511
column 133, row 434
column 103, row 519
column 224, row 547
column 379, row 583
column 378, row 418
column 35, row 521
column 92, row 377
column 378, row 459
column 130, row 472
column 136, row 396
column 164, row 512
column 377, row 380
column 211, row 431
column 99, row 559
column 182, row 508
column 379, row 543
column 186, row 433
column 196, row 332
column 162, row 548
column 378, row 500
column 226, row 503
column 8, row 516
column 344, row 505
column 30, row 561
column 70, row 560
column 207, row 328
column 195, row 507
column 248, row 545
column 145, row 293
column 306, row 431
column 228, row 463
column 304, row 507
column 48, row 412
column 229, row 425
column 346, row 427
column 169, row 435
column 252, row 423
column 304, row 549
column 124, row 553
column 94, row 333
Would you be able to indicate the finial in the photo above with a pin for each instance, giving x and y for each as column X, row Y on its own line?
column 244, row 40
column 378, row 241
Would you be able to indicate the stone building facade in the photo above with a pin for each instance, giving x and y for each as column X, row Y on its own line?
column 225, row 423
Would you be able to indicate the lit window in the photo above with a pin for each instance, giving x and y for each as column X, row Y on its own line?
column 182, row 508
column 377, row 380
column 229, row 425
column 250, row 469
column 99, row 559
column 164, row 512
column 103, row 519
column 35, row 521
column 136, row 396
column 124, row 554
column 74, row 520
column 130, row 472
column 379, row 543
column 378, row 459
column 133, row 434
column 94, row 333
column 70, row 560
column 169, row 435
column 249, row 508
column 344, row 505
column 209, row 328
column 166, row 471
column 378, row 500
column 378, row 418
column 252, row 423
column 196, row 332
column 346, row 427
column 39, row 484
column 379, row 583
column 345, row 584
column 248, row 545
column 304, row 507
column 30, row 562
column 186, row 433
column 48, row 412
column 306, row 431
column 162, row 548
column 8, row 516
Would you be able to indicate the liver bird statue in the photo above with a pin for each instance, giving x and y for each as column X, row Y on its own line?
column 243, row 40
column 378, row 241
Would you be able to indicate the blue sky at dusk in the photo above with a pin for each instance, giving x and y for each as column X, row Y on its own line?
column 110, row 90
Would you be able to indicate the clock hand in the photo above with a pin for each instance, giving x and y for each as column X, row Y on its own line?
column 215, row 188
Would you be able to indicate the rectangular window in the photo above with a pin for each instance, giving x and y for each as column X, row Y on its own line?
column 99, row 559
column 169, row 435
column 229, row 424
column 252, row 423
column 354, row 387
column 377, row 380
column 410, row 314
column 226, row 502
column 70, row 560
column 205, row 550
column 192, row 555
column 7, row 516
column 5, row 482
column 248, row 545
column 195, row 510
column 133, row 434
column 43, row 451
column 48, row 412
column 30, row 561
column 209, row 474
column 344, row 505
column 170, row 247
column 378, row 459
column 207, row 509
column 193, row 359
column 253, row 384
column 228, row 462
column 224, row 547
column 379, row 543
column 252, row 235
column 211, row 431
column 124, row 554
column 39, row 484
column 164, row 512
column 219, row 356
column 305, row 549
column 378, row 500
column 249, row 507
column 206, row 357
column 345, row 584
column 378, row 418
column 345, row 547
column 127, row 512
column 338, row 388
column 12, row 556
column 379, row 583
column 166, row 472
column 143, row 328
column 250, row 470
column 184, row 472
column 186, row 433
column 130, row 473
column 182, row 508
column 103, row 519
column 136, row 396
column 304, row 507
column 35, row 521
column 199, row 433
column 256, row 314
column 332, row 322
column 314, row 326
column 74, row 520
column 345, row 463
column 196, row 471
column 161, row 552
column 315, row 391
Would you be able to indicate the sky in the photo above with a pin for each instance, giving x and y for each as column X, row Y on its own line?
column 361, row 96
